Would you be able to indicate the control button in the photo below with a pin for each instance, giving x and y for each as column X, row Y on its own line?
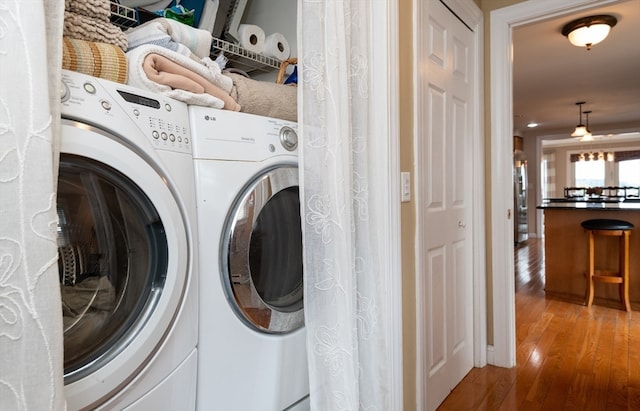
column 186, row 140
column 288, row 138
column 167, row 107
column 155, row 134
column 163, row 135
column 172, row 138
column 271, row 148
column 179, row 139
column 89, row 88
column 136, row 112
column 105, row 105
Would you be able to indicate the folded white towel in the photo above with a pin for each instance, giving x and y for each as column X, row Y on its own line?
column 173, row 35
column 138, row 78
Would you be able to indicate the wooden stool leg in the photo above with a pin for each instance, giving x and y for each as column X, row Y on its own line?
column 624, row 271
column 591, row 269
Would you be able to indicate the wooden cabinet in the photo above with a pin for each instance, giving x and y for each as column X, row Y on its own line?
column 566, row 254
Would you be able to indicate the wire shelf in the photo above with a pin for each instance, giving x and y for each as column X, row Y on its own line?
column 239, row 57
column 244, row 59
column 123, row 16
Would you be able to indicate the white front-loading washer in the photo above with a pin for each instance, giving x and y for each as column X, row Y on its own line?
column 252, row 346
column 126, row 239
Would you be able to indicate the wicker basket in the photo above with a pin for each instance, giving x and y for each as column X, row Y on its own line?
column 283, row 67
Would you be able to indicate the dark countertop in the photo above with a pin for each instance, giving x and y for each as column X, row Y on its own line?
column 591, row 204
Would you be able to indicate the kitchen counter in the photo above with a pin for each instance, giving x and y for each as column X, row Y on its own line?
column 594, row 204
column 566, row 250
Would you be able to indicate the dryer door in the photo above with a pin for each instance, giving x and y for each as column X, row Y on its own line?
column 262, row 253
column 123, row 261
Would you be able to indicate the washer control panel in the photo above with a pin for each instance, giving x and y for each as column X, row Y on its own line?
column 164, row 121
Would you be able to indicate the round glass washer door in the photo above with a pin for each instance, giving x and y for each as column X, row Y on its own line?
column 262, row 253
column 112, row 253
column 123, row 261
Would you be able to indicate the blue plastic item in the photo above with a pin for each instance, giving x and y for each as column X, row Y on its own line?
column 293, row 77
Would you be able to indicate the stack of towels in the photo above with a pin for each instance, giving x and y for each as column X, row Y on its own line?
column 171, row 58
column 92, row 44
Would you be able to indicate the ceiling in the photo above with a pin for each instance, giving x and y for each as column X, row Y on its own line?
column 550, row 75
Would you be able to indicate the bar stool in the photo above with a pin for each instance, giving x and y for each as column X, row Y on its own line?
column 610, row 228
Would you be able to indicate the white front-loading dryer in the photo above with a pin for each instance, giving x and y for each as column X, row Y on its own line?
column 252, row 347
column 126, row 236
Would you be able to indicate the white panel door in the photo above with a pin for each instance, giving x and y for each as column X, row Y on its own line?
column 444, row 166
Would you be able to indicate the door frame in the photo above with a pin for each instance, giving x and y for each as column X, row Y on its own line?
column 503, row 351
column 386, row 145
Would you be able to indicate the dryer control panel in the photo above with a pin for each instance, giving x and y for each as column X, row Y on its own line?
column 232, row 135
column 164, row 121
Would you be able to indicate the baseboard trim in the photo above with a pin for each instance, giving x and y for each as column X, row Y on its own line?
column 491, row 355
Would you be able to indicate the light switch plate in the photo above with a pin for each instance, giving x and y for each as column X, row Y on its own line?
column 405, row 183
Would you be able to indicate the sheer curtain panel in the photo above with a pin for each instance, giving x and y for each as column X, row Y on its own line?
column 345, row 287
column 31, row 342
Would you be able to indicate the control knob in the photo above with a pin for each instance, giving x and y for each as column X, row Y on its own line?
column 288, row 138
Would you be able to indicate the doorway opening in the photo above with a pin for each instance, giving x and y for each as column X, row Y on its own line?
column 503, row 21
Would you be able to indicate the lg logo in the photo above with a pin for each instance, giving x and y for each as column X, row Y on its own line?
column 209, row 118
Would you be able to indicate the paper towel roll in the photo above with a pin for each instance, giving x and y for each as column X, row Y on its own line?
column 275, row 45
column 251, row 37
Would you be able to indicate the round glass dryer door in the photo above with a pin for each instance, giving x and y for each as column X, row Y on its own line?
column 112, row 261
column 262, row 253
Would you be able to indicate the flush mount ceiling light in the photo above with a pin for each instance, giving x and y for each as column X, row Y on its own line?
column 587, row 31
column 580, row 130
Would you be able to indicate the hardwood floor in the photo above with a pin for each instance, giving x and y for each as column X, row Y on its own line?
column 568, row 356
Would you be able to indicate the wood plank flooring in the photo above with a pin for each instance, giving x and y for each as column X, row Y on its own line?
column 568, row 356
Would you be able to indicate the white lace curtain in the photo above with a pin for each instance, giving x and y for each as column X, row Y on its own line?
column 344, row 287
column 31, row 342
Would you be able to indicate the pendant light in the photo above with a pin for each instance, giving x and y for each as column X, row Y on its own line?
column 580, row 130
column 587, row 31
column 588, row 136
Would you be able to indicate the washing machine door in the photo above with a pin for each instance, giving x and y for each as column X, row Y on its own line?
column 262, row 253
column 122, row 261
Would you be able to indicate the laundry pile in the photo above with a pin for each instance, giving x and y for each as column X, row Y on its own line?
column 172, row 58
column 92, row 44
column 86, row 307
column 167, row 57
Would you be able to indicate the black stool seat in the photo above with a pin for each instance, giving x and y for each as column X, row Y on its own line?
column 606, row 224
